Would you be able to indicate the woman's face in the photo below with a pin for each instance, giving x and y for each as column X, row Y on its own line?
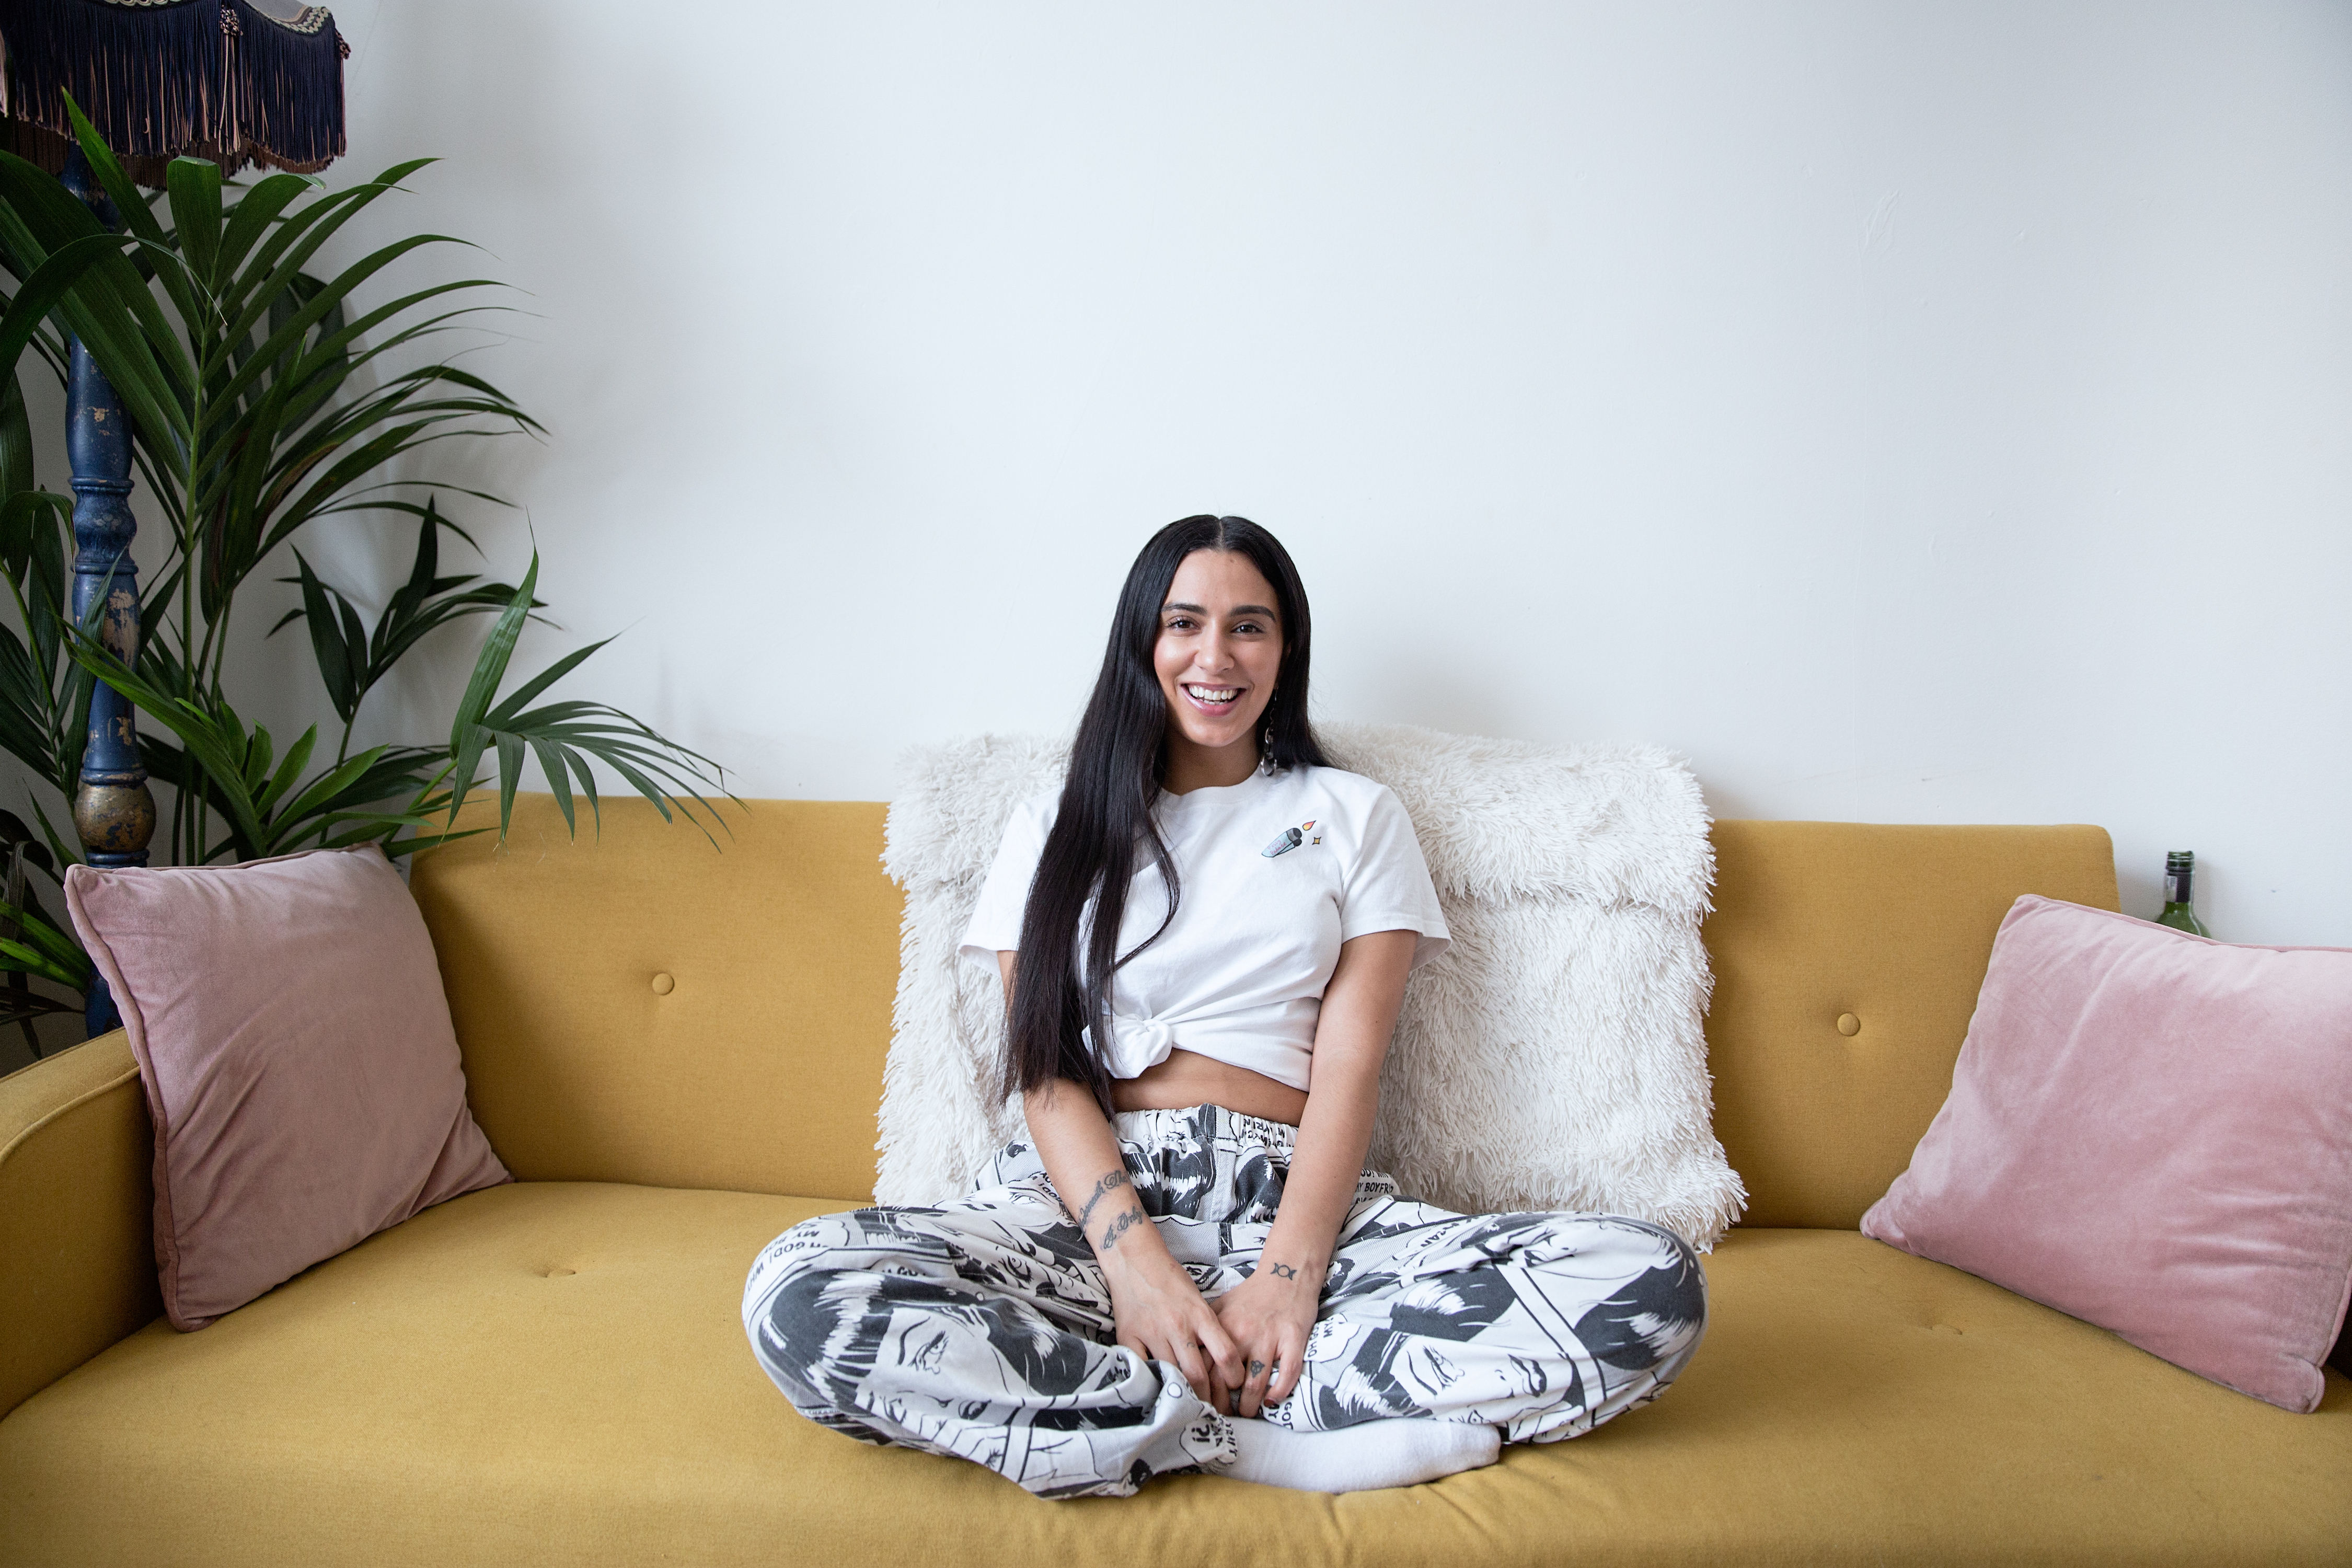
column 1220, row 649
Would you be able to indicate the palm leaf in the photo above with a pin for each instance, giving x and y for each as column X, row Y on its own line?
column 70, row 965
column 564, row 736
column 194, row 184
column 17, row 955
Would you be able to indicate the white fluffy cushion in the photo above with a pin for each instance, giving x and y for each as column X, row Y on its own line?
column 1553, row 1058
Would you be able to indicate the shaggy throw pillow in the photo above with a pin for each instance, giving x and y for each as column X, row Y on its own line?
column 2151, row 1131
column 1553, row 1058
column 300, row 1068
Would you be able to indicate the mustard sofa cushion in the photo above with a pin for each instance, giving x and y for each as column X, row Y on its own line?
column 634, row 1005
column 556, row 1372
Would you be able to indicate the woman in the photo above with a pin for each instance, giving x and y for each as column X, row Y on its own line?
column 1204, row 941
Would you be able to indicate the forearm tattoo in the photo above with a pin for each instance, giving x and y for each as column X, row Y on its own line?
column 1281, row 1270
column 1111, row 1182
column 1125, row 1221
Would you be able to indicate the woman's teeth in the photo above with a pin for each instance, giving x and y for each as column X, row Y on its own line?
column 1213, row 695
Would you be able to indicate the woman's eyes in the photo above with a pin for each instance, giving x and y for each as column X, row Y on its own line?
column 1187, row 624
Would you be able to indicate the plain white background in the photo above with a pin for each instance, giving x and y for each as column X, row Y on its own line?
column 1909, row 414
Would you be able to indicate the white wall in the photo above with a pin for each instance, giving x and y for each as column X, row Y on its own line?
column 1909, row 413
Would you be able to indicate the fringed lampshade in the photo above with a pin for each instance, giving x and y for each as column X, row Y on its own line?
column 238, row 81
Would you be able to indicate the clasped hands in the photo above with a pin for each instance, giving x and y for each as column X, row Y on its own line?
column 1242, row 1351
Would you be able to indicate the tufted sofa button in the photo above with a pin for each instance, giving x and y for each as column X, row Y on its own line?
column 664, row 984
column 1847, row 1022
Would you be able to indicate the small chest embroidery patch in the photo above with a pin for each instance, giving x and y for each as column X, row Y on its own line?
column 1290, row 838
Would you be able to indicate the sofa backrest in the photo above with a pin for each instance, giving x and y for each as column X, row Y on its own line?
column 1887, row 928
column 636, row 1007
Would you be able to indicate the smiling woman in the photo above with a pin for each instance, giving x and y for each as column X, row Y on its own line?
column 1185, row 1265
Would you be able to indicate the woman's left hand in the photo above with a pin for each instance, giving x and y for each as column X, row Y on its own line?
column 1268, row 1316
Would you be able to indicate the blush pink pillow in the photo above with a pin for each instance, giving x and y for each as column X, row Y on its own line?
column 290, row 1026
column 2151, row 1131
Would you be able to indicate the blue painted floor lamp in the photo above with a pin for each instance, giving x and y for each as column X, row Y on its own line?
column 240, row 82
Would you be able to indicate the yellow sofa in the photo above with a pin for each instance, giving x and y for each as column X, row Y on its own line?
column 679, row 1052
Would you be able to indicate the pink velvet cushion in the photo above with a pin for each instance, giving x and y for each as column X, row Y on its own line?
column 2153, row 1132
column 290, row 1024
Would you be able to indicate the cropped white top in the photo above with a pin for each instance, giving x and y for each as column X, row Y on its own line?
column 1276, row 873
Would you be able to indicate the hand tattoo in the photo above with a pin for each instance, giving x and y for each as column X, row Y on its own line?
column 1257, row 1367
column 1119, row 1227
column 1283, row 1271
column 1112, row 1181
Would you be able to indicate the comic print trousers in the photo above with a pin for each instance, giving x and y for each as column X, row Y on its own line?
column 982, row 1327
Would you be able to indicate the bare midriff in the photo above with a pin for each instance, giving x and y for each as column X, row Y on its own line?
column 1188, row 1078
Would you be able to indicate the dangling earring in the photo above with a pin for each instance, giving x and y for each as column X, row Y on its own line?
column 1265, row 741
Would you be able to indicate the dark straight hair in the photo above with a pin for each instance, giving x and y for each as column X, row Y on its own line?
column 1117, row 765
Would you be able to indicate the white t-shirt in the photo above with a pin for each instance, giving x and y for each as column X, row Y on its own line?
column 1276, row 872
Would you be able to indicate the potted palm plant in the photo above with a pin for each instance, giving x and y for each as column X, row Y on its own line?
column 262, row 400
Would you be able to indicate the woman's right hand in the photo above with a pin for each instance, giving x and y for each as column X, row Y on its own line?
column 1159, row 1312
column 1162, row 1316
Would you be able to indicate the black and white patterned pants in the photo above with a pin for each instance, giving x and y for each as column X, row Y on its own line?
column 983, row 1327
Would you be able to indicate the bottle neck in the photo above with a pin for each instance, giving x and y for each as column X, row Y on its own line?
column 2176, row 886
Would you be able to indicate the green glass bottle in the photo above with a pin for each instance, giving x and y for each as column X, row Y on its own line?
column 2179, row 871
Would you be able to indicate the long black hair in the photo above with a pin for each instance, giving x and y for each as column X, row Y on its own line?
column 1117, row 765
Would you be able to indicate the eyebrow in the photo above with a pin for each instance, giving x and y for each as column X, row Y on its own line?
column 1267, row 610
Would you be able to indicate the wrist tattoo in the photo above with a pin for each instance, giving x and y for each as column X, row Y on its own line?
column 1125, row 1221
column 1112, row 1181
column 1281, row 1270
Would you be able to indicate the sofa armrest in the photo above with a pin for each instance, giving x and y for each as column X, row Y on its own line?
column 77, row 1213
